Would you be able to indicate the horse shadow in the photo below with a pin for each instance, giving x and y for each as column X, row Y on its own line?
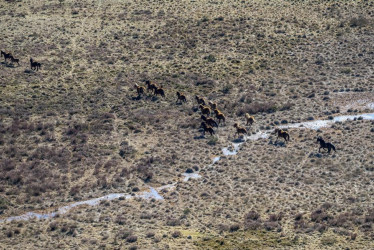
column 8, row 65
column 278, row 143
column 154, row 98
column 29, row 71
column 200, row 137
column 321, row 155
column 195, row 109
column 238, row 140
column 136, row 98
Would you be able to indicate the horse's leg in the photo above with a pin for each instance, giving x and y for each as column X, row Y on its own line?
column 319, row 150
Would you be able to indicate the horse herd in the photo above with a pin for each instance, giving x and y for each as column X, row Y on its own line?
column 208, row 122
column 33, row 64
column 209, row 108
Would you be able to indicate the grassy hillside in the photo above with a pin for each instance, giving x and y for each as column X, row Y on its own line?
column 76, row 129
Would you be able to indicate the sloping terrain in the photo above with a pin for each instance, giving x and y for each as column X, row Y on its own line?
column 76, row 129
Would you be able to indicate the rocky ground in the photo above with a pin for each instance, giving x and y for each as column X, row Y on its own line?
column 76, row 130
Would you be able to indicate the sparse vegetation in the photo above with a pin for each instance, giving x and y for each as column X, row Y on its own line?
column 77, row 129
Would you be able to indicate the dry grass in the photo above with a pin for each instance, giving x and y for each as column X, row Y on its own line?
column 76, row 129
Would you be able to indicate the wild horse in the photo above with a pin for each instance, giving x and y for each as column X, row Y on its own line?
column 6, row 55
column 34, row 64
column 325, row 145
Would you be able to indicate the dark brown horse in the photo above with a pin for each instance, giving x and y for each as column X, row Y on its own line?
column 213, row 105
column 204, row 109
column 139, row 89
column 284, row 134
column 325, row 145
column 181, row 97
column 210, row 121
column 160, row 91
column 207, row 128
column 220, row 116
column 200, row 100
column 240, row 130
column 151, row 86
column 250, row 119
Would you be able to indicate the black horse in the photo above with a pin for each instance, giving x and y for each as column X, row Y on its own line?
column 6, row 55
column 14, row 60
column 35, row 65
column 325, row 145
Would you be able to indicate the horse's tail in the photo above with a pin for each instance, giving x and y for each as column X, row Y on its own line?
column 333, row 147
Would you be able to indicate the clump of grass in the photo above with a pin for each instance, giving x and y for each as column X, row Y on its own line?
column 120, row 220
column 226, row 88
column 176, row 234
column 186, row 211
column 3, row 204
column 328, row 240
column 123, row 234
column 173, row 222
column 150, row 234
column 212, row 140
column 210, row 58
column 145, row 172
column 257, row 107
column 320, row 215
column 53, row 226
column 132, row 238
column 360, row 21
column 346, row 71
column 234, row 227
column 252, row 220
